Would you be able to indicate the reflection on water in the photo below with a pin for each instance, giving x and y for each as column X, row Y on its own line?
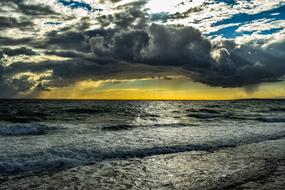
column 172, row 144
column 157, row 113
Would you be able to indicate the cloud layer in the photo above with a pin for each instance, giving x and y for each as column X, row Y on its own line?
column 43, row 47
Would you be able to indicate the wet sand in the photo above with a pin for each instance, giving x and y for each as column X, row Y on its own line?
column 252, row 166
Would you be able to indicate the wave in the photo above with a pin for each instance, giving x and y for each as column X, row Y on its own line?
column 236, row 117
column 204, row 115
column 63, row 158
column 21, row 130
column 19, row 119
column 128, row 127
column 118, row 127
column 87, row 111
column 271, row 120
column 22, row 116
column 205, row 110
column 233, row 116
column 281, row 109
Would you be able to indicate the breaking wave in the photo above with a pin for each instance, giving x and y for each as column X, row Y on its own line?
column 63, row 158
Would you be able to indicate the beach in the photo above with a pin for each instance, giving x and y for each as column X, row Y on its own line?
column 157, row 145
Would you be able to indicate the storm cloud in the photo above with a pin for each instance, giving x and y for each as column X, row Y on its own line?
column 224, row 64
column 16, row 51
column 126, row 44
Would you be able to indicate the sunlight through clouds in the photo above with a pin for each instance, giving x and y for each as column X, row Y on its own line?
column 218, row 44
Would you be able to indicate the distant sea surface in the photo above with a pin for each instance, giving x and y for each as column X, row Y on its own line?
column 142, row 144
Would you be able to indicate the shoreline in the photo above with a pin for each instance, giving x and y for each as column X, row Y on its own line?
column 252, row 166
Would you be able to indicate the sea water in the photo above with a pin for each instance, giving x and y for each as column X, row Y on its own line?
column 137, row 144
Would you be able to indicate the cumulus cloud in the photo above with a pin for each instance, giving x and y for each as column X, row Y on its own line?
column 156, row 45
column 126, row 44
column 224, row 64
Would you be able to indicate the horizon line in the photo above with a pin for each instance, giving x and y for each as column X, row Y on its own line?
column 75, row 99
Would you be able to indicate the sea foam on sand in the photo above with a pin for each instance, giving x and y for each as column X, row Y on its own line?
column 252, row 166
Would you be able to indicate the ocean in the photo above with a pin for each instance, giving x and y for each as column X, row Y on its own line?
column 85, row 144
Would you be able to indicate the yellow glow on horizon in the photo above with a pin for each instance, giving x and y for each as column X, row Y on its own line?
column 195, row 91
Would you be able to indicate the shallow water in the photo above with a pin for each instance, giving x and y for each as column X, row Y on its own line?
column 53, row 136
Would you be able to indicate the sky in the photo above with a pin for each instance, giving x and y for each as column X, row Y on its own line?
column 145, row 49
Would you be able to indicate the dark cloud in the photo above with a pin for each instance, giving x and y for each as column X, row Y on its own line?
column 246, row 65
column 66, row 40
column 23, row 20
column 16, row 51
column 186, row 48
column 26, row 8
column 10, row 22
column 177, row 46
column 72, row 39
column 156, row 45
column 1, row 71
column 131, row 15
column 7, row 41
column 165, row 16
column 65, row 73
column 127, row 45
column 67, row 54
column 6, row 90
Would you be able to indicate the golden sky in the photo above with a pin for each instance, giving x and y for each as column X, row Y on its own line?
column 159, row 89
